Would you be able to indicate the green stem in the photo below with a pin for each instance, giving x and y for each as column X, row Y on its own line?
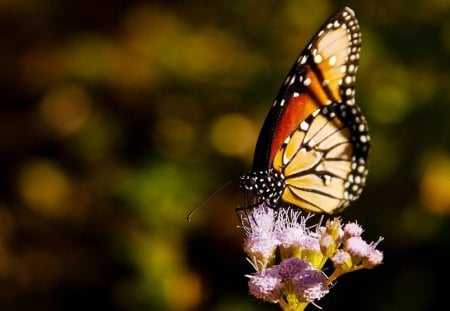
column 290, row 303
column 337, row 273
column 301, row 306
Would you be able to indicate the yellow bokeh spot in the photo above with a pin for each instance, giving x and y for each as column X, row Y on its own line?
column 435, row 184
column 183, row 292
column 66, row 109
column 44, row 187
column 233, row 135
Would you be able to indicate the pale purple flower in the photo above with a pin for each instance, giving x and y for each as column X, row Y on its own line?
column 261, row 241
column 261, row 246
column 309, row 242
column 266, row 285
column 288, row 254
column 292, row 230
column 353, row 229
column 342, row 260
column 327, row 241
column 300, row 276
column 293, row 266
column 374, row 258
column 260, row 219
column 356, row 247
column 289, row 237
column 290, row 218
column 310, row 285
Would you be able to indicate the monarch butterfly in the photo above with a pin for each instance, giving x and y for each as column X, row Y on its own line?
column 313, row 146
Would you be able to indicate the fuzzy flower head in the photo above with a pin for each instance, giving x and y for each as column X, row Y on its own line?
column 293, row 266
column 302, row 280
column 297, row 239
column 289, row 253
column 342, row 261
column 261, row 241
column 261, row 247
column 352, row 229
column 293, row 278
column 266, row 285
column 310, row 285
column 261, row 219
column 356, row 247
column 374, row 257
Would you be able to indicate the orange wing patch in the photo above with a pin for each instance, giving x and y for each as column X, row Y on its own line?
column 298, row 109
column 313, row 148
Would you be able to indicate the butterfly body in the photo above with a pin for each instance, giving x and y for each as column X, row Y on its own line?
column 313, row 146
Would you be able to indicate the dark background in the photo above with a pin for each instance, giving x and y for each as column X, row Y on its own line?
column 118, row 117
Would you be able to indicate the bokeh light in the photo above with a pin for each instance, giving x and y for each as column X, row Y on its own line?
column 119, row 117
column 435, row 184
column 224, row 133
column 44, row 187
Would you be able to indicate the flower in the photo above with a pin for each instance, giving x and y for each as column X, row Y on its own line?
column 374, row 258
column 261, row 241
column 342, row 261
column 260, row 219
column 293, row 277
column 307, row 283
column 327, row 244
column 310, row 285
column 261, row 247
column 293, row 266
column 288, row 254
column 352, row 229
column 356, row 247
column 266, row 285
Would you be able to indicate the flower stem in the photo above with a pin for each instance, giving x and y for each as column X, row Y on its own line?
column 336, row 273
column 292, row 304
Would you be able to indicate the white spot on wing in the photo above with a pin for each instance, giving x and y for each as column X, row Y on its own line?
column 318, row 59
column 303, row 59
column 292, row 80
column 304, row 126
column 332, row 60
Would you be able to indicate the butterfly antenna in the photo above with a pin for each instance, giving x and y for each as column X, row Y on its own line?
column 188, row 218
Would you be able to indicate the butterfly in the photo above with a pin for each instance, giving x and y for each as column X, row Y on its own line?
column 313, row 146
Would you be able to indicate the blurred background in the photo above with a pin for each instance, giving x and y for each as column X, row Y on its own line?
column 118, row 117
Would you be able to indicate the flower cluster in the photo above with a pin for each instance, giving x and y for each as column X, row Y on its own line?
column 288, row 255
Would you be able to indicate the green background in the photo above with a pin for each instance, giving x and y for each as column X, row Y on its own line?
column 118, row 117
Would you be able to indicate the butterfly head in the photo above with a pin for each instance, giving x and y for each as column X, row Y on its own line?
column 267, row 185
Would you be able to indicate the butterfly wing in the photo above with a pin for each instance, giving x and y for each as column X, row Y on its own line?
column 314, row 135
column 316, row 79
